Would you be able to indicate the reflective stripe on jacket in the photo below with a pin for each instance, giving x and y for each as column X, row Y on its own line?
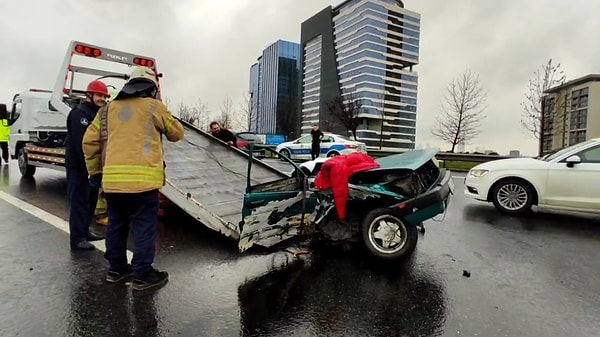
column 131, row 157
column 4, row 130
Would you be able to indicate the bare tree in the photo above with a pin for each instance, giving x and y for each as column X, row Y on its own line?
column 346, row 110
column 249, row 110
column 230, row 118
column 195, row 114
column 548, row 76
column 462, row 110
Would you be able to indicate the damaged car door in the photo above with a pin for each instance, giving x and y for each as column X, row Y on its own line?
column 276, row 211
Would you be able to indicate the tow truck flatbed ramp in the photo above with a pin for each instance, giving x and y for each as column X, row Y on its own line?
column 207, row 179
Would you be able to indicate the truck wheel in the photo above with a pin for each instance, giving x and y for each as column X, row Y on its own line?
column 387, row 237
column 26, row 169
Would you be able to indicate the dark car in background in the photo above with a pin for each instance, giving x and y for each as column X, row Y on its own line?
column 246, row 138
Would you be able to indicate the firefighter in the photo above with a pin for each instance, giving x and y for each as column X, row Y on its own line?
column 101, row 212
column 82, row 196
column 123, row 151
column 4, row 132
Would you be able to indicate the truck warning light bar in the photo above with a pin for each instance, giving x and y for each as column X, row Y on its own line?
column 112, row 55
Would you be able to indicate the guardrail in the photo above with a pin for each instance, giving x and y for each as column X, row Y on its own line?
column 447, row 156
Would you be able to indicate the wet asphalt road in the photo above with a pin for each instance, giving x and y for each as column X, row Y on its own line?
column 532, row 276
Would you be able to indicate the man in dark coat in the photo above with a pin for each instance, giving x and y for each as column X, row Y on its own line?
column 223, row 134
column 82, row 196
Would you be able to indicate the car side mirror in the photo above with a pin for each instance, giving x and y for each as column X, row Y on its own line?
column 572, row 160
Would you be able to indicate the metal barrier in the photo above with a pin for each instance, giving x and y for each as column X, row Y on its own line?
column 447, row 156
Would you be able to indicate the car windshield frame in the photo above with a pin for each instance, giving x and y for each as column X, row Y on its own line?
column 560, row 153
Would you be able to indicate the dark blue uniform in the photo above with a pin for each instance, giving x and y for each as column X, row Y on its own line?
column 82, row 196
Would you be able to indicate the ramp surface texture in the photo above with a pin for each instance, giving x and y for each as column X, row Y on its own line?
column 213, row 173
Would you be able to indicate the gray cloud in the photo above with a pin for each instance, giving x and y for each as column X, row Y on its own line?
column 205, row 48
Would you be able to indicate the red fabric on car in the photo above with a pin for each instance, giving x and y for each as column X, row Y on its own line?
column 335, row 172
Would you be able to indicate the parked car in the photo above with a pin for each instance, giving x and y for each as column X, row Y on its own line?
column 331, row 145
column 565, row 180
column 383, row 208
column 246, row 138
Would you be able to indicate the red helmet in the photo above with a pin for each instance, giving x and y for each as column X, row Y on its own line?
column 97, row 87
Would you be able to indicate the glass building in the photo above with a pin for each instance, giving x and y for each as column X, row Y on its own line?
column 274, row 95
column 363, row 50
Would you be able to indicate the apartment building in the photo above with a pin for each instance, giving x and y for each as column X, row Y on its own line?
column 571, row 113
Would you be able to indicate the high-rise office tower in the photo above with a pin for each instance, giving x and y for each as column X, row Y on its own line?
column 363, row 50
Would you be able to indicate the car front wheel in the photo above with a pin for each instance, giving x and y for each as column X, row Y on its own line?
column 512, row 196
column 388, row 237
column 284, row 153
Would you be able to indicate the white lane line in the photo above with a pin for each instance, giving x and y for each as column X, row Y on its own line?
column 50, row 218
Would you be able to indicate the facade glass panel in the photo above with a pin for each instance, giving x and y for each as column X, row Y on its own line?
column 274, row 89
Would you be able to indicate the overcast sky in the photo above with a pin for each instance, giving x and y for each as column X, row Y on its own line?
column 205, row 47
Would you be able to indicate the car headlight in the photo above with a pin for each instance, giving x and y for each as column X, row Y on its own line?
column 478, row 173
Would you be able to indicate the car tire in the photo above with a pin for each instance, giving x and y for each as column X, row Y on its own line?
column 512, row 196
column 285, row 153
column 24, row 167
column 381, row 227
column 332, row 154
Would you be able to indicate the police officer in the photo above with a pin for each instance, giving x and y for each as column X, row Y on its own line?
column 123, row 150
column 82, row 196
column 4, row 132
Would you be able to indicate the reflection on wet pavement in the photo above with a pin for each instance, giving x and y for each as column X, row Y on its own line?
column 343, row 295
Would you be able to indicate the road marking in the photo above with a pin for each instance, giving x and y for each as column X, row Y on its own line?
column 50, row 218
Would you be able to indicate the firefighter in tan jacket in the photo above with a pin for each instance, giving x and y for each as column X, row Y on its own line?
column 101, row 212
column 124, row 153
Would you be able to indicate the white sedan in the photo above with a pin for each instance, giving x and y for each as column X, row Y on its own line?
column 331, row 145
column 567, row 180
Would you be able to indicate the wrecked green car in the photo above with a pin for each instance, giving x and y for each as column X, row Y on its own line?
column 383, row 209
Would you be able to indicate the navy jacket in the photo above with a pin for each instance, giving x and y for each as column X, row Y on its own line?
column 77, row 122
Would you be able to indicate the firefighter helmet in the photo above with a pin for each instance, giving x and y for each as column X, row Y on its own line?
column 141, row 79
column 143, row 73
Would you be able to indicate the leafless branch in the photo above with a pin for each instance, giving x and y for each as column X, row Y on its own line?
column 195, row 114
column 346, row 110
column 461, row 110
column 548, row 76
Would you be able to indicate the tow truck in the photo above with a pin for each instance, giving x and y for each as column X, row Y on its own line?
column 38, row 116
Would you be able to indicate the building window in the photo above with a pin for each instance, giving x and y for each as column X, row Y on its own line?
column 576, row 137
column 579, row 98
column 578, row 119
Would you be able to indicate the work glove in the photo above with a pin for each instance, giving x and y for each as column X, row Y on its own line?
column 96, row 180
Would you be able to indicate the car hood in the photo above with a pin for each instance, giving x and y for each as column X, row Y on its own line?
column 512, row 163
column 408, row 160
